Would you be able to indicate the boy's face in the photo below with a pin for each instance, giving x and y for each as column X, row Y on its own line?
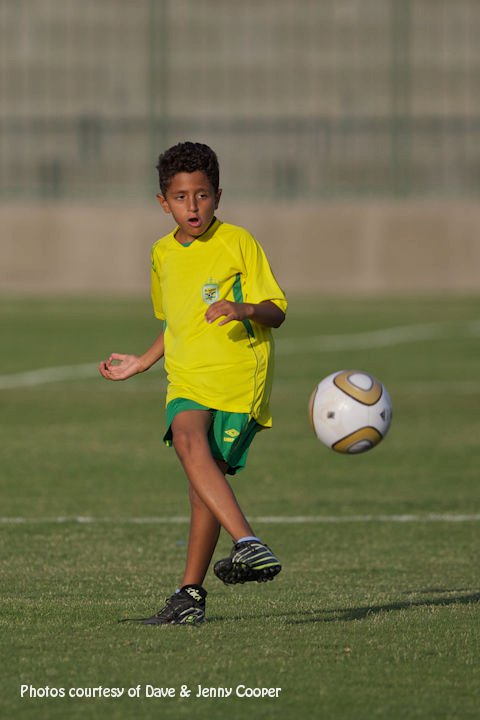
column 192, row 201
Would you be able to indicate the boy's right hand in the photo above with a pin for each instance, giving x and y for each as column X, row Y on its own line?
column 120, row 366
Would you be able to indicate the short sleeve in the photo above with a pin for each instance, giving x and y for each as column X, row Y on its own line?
column 260, row 283
column 156, row 289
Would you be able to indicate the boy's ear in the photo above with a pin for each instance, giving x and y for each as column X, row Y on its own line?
column 218, row 195
column 163, row 203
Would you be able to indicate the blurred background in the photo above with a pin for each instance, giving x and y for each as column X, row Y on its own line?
column 347, row 131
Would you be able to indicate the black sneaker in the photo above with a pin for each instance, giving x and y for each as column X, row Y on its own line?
column 186, row 607
column 249, row 561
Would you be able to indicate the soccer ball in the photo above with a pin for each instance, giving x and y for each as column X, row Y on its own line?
column 350, row 411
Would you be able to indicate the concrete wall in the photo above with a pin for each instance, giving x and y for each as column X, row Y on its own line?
column 326, row 247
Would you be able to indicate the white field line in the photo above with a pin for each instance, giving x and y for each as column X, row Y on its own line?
column 47, row 375
column 464, row 387
column 386, row 337
column 266, row 519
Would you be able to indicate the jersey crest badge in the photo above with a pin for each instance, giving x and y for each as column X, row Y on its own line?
column 210, row 292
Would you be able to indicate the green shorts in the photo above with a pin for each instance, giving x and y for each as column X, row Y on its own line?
column 230, row 434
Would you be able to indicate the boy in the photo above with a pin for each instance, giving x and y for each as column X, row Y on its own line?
column 217, row 297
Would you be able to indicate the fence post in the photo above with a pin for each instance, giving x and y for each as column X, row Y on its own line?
column 400, row 96
column 157, row 84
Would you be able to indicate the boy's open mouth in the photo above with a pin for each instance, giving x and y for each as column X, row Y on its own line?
column 194, row 221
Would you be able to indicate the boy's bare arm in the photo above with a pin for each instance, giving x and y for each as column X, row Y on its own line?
column 120, row 366
column 265, row 313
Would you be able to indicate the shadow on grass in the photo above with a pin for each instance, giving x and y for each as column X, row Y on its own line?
column 445, row 598
column 361, row 613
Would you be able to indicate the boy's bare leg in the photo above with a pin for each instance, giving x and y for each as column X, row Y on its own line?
column 203, row 537
column 190, row 439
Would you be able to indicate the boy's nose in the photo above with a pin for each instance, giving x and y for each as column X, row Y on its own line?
column 192, row 204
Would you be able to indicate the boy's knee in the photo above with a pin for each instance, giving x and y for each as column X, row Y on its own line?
column 189, row 433
column 187, row 443
column 181, row 442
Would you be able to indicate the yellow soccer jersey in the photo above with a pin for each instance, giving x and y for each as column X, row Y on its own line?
column 226, row 367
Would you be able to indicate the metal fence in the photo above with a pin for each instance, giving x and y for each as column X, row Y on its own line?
column 304, row 99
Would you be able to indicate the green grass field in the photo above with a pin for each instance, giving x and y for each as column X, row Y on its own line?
column 376, row 613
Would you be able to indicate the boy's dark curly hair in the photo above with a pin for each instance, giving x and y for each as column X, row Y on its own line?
column 187, row 157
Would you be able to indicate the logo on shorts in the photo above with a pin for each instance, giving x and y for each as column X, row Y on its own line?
column 210, row 292
column 230, row 435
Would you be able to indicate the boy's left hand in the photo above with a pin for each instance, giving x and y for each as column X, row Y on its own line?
column 228, row 310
